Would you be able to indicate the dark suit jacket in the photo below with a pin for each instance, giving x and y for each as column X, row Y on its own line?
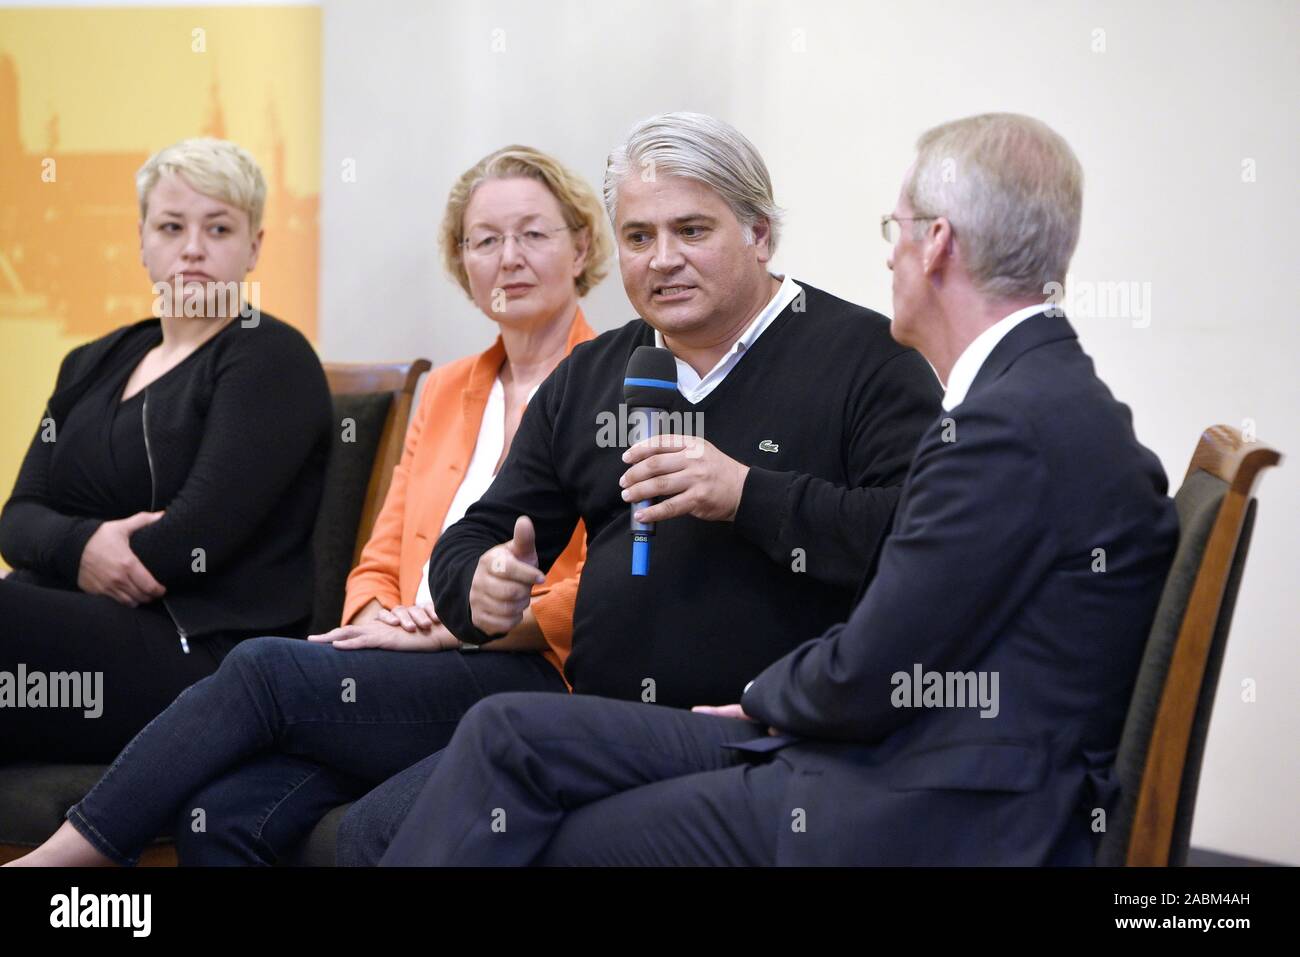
column 993, row 566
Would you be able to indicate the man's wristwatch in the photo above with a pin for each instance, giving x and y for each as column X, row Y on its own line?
column 468, row 646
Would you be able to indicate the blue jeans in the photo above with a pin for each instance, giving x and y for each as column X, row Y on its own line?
column 303, row 726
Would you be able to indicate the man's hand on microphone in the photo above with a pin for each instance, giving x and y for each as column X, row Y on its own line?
column 503, row 582
column 688, row 473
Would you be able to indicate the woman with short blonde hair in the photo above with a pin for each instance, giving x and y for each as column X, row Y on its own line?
column 165, row 508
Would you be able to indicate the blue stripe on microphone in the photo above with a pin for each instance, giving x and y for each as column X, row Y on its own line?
column 653, row 383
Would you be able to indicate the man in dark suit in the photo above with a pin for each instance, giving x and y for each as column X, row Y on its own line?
column 969, row 710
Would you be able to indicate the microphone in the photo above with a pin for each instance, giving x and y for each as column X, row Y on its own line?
column 649, row 389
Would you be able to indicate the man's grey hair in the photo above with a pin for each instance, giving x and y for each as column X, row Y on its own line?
column 699, row 147
column 1013, row 191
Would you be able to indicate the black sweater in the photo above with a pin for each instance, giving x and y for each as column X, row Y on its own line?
column 844, row 407
column 238, row 436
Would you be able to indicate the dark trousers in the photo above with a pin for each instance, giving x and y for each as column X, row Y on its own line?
column 133, row 654
column 587, row 780
column 247, row 760
column 369, row 826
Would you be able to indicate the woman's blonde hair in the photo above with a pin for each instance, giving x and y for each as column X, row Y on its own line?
column 578, row 204
column 216, row 168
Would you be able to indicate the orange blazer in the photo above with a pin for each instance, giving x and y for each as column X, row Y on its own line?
column 439, row 444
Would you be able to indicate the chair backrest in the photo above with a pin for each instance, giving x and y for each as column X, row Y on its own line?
column 1160, row 751
column 372, row 403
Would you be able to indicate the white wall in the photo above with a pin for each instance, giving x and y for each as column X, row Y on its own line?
column 834, row 95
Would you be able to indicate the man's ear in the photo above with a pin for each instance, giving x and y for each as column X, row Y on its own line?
column 139, row 230
column 257, row 249
column 762, row 231
column 940, row 246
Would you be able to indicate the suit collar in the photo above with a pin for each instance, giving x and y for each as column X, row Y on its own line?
column 1036, row 332
column 972, row 358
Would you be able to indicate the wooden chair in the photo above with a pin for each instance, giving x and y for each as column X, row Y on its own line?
column 372, row 403
column 1160, row 752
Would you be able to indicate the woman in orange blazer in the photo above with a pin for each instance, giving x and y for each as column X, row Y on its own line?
column 286, row 730
column 440, row 444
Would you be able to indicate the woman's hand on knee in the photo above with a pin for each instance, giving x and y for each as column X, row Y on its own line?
column 380, row 634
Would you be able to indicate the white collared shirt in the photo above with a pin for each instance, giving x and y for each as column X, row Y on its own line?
column 692, row 386
column 972, row 358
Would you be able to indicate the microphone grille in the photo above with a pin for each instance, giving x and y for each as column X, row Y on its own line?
column 651, row 380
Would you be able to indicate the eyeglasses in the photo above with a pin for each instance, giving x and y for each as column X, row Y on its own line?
column 889, row 225
column 486, row 244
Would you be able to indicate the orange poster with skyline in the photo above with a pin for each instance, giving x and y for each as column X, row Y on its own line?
column 86, row 95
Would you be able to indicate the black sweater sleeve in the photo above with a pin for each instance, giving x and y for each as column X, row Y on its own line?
column 839, row 530
column 33, row 534
column 264, row 419
column 527, row 484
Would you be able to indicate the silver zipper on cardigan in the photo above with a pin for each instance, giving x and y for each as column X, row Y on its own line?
column 153, row 494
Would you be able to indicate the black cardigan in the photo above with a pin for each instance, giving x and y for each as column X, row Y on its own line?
column 237, row 448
